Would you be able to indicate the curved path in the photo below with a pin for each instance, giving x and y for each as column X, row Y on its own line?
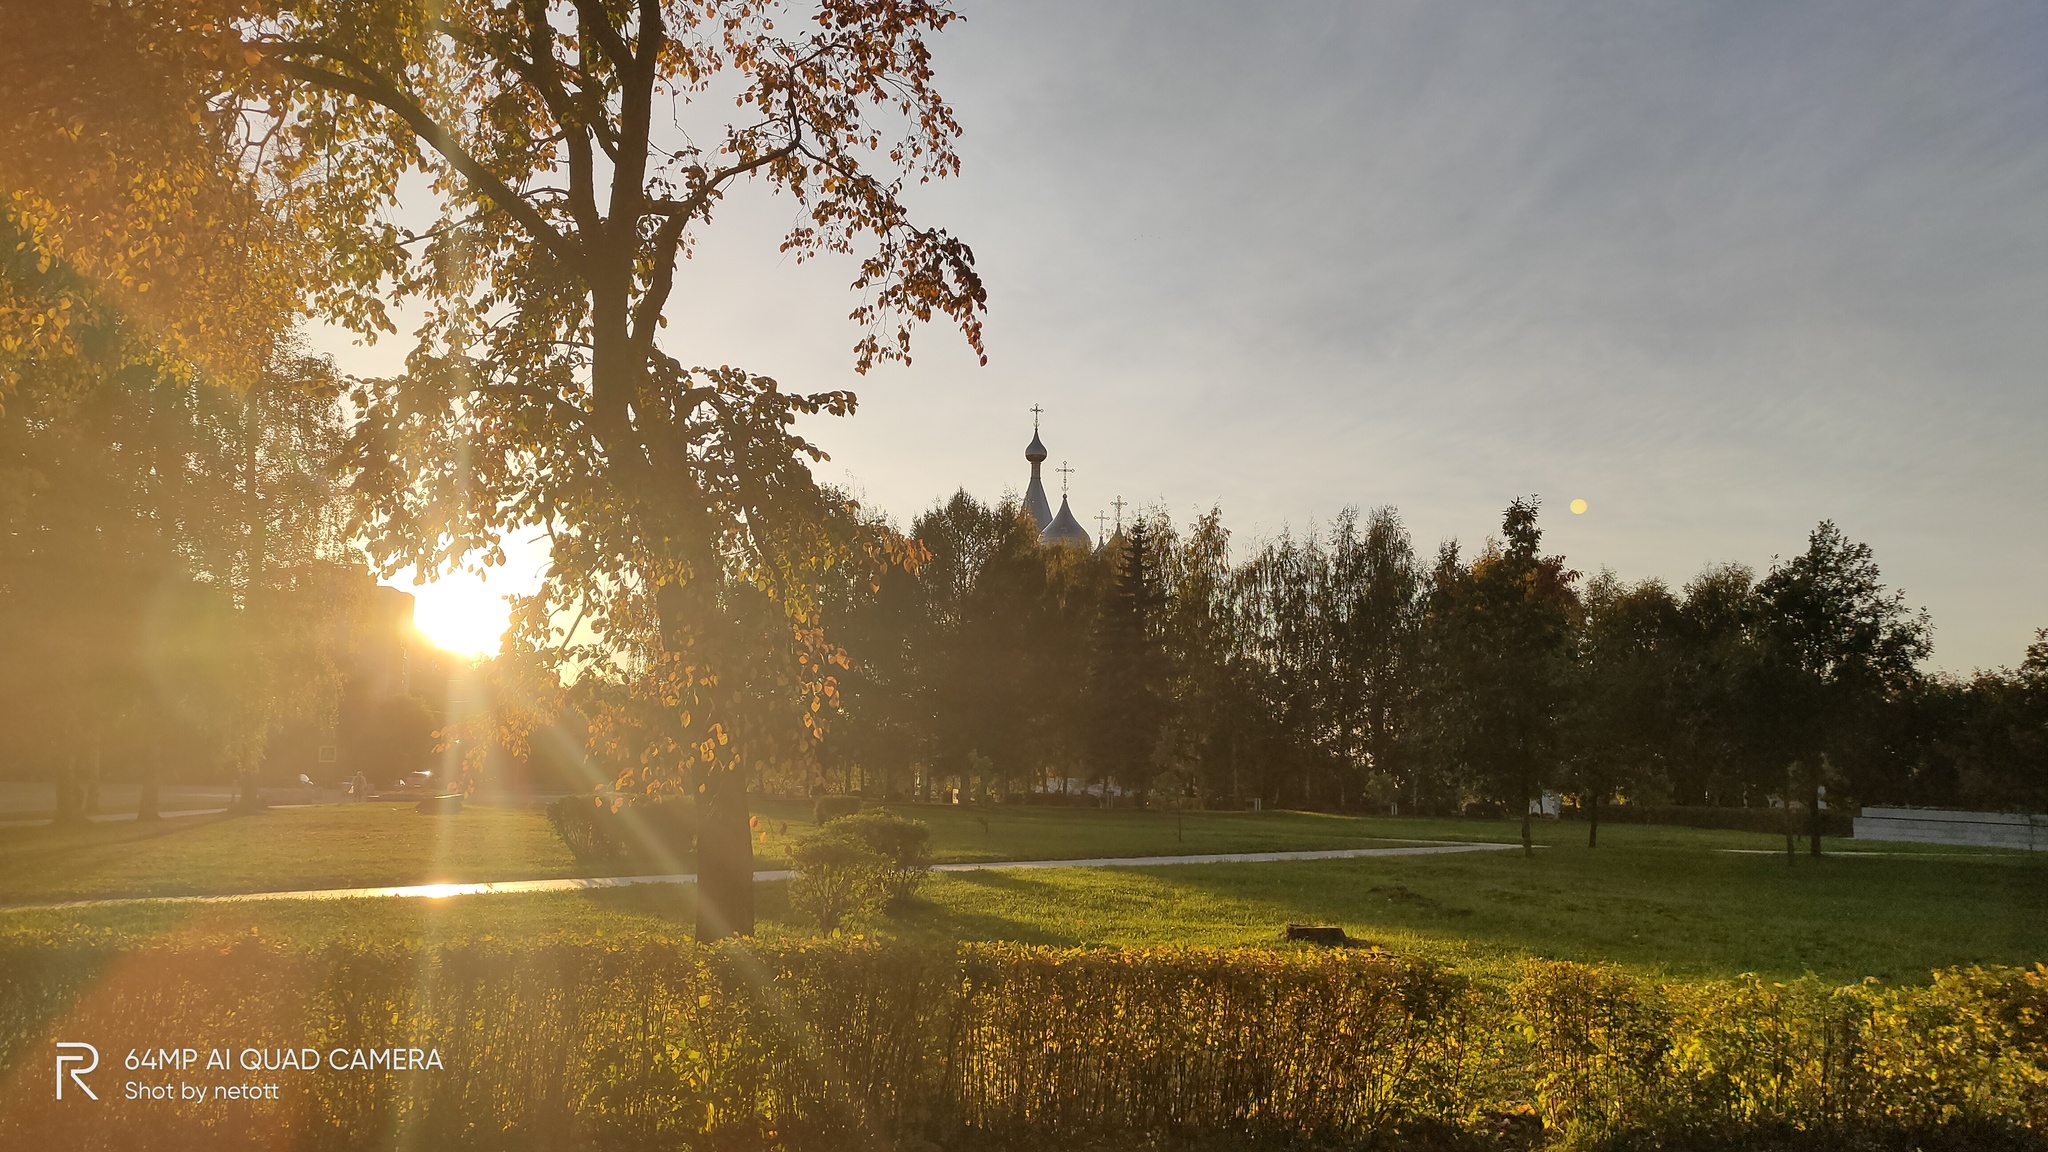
column 584, row 883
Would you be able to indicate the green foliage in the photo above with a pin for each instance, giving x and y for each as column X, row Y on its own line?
column 175, row 582
column 1127, row 681
column 838, row 878
column 824, row 1044
column 1497, row 638
column 1332, row 670
column 656, row 834
column 904, row 844
column 858, row 865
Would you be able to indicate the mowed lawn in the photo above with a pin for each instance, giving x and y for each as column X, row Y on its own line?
column 357, row 845
column 1663, row 901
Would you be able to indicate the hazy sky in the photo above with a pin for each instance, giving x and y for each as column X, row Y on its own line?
column 1721, row 269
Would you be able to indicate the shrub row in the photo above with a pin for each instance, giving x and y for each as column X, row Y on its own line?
column 850, row 1044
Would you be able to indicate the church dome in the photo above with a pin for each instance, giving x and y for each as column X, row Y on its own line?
column 1035, row 451
column 1065, row 529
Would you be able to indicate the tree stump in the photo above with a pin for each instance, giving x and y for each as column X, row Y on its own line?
column 1328, row 935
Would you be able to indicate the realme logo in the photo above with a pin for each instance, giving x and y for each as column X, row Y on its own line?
column 69, row 1052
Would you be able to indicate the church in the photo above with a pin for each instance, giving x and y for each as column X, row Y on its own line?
column 1061, row 529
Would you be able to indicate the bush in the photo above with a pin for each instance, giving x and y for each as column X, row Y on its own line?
column 656, row 834
column 838, row 878
column 857, row 1044
column 905, row 845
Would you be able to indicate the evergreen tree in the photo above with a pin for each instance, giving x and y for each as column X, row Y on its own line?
column 1128, row 684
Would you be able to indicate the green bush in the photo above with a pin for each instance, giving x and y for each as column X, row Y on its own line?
column 828, row 808
column 656, row 835
column 838, row 878
column 904, row 844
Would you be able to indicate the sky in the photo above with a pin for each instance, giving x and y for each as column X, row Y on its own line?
column 1721, row 270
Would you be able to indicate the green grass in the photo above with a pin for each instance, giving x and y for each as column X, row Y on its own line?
column 1658, row 900
column 358, row 845
column 1026, row 832
column 321, row 847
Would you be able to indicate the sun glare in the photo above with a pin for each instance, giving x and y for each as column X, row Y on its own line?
column 461, row 614
column 1578, row 507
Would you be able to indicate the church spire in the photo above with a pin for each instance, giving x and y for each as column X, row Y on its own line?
column 1035, row 502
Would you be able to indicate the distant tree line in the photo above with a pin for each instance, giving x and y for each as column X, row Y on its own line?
column 1342, row 670
column 178, row 597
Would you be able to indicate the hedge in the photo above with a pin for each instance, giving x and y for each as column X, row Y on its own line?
column 849, row 1043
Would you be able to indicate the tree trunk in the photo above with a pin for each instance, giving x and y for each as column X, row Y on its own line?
column 1791, row 829
column 1528, row 840
column 725, row 860
column 1593, row 817
column 1813, row 819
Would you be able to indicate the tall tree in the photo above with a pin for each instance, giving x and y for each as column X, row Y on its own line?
column 1835, row 645
column 1376, row 602
column 1498, row 636
column 1205, row 652
column 575, row 152
column 1714, row 755
column 1128, row 682
column 1620, row 717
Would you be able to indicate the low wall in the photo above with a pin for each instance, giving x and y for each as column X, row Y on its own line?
column 1965, row 829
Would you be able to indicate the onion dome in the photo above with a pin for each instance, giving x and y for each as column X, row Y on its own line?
column 1065, row 529
column 1035, row 502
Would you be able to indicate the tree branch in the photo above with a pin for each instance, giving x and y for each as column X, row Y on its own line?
column 379, row 92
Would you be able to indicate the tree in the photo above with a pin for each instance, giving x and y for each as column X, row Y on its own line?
column 1497, row 634
column 1621, row 712
column 171, row 549
column 1714, row 755
column 1127, row 683
column 1204, row 652
column 687, row 536
column 1377, row 599
column 1835, row 645
column 1283, row 588
column 125, row 171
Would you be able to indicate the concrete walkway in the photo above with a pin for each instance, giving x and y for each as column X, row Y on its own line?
column 586, row 883
column 44, row 821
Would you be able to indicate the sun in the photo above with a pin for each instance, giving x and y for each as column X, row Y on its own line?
column 461, row 613
column 1578, row 507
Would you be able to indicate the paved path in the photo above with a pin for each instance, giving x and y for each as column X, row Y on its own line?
column 585, row 883
column 45, row 820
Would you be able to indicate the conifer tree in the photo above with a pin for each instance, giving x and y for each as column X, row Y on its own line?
column 1130, row 673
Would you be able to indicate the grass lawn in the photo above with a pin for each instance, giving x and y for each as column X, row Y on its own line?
column 1664, row 901
column 356, row 845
